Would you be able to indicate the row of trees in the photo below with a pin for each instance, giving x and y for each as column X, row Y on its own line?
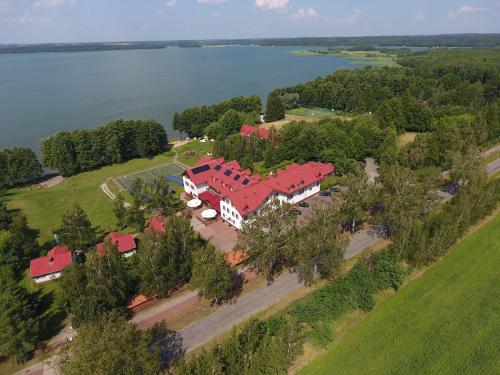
column 19, row 166
column 117, row 141
column 194, row 121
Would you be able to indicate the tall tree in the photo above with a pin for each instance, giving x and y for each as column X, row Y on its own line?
column 110, row 346
column 275, row 109
column 119, row 210
column 75, row 230
column 321, row 245
column 212, row 275
column 269, row 237
column 162, row 198
column 19, row 330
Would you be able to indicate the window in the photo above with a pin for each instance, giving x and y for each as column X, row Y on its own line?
column 200, row 169
column 218, row 167
column 227, row 173
column 237, row 177
column 301, row 191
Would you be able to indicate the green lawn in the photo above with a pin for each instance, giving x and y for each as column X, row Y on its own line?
column 445, row 322
column 315, row 112
column 44, row 207
column 200, row 148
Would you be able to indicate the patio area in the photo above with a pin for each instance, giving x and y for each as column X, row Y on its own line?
column 222, row 235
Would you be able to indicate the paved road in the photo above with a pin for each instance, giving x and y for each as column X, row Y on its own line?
column 493, row 167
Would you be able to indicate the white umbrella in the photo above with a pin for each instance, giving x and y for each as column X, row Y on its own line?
column 209, row 214
column 193, row 203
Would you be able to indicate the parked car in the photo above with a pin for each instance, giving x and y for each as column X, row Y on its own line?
column 296, row 212
column 303, row 204
column 335, row 189
column 326, row 193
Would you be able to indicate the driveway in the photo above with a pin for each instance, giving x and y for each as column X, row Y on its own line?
column 220, row 234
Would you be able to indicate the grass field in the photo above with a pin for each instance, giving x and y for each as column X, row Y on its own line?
column 197, row 147
column 361, row 57
column 315, row 113
column 445, row 322
column 44, row 207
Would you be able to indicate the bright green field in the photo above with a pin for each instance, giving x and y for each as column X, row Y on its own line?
column 44, row 207
column 445, row 322
column 200, row 148
column 314, row 112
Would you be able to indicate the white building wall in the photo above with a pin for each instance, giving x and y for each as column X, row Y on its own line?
column 129, row 253
column 192, row 189
column 300, row 195
column 230, row 214
column 43, row 279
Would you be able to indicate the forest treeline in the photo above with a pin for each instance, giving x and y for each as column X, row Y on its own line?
column 194, row 121
column 18, row 166
column 117, row 141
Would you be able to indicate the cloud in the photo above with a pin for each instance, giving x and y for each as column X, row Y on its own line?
column 29, row 19
column 419, row 17
column 216, row 14
column 5, row 6
column 272, row 4
column 348, row 20
column 171, row 3
column 52, row 3
column 467, row 9
column 303, row 13
column 215, row 2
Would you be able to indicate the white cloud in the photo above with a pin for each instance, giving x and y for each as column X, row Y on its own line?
column 348, row 20
column 171, row 3
column 272, row 4
column 28, row 18
column 466, row 9
column 303, row 13
column 5, row 6
column 216, row 14
column 419, row 17
column 211, row 1
column 52, row 3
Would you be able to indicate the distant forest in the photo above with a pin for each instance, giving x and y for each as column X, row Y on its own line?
column 445, row 40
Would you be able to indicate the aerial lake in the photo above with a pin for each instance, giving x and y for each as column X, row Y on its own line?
column 42, row 93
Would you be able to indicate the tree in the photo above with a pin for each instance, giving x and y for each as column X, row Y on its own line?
column 110, row 346
column 162, row 198
column 19, row 331
column 275, row 109
column 22, row 166
column 75, row 230
column 268, row 237
column 5, row 215
column 164, row 262
column 401, row 198
column 320, row 246
column 355, row 201
column 211, row 274
column 59, row 153
column 119, row 210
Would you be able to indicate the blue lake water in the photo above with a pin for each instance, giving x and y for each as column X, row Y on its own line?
column 43, row 93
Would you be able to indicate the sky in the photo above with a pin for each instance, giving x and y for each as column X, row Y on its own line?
column 43, row 21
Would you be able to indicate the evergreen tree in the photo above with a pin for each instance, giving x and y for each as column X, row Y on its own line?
column 275, row 109
column 75, row 230
column 119, row 210
column 19, row 331
column 162, row 198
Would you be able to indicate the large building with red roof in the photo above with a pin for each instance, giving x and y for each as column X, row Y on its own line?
column 237, row 194
column 124, row 243
column 49, row 267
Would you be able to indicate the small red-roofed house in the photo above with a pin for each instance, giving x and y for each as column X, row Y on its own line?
column 125, row 243
column 236, row 257
column 248, row 131
column 157, row 225
column 49, row 267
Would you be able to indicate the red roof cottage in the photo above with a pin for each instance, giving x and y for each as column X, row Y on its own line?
column 157, row 225
column 125, row 243
column 49, row 267
column 248, row 131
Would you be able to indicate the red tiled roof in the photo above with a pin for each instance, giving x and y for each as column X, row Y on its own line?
column 57, row 250
column 207, row 159
column 139, row 300
column 295, row 176
column 157, row 224
column 236, row 257
column 123, row 242
column 211, row 198
column 249, row 199
column 248, row 131
column 53, row 263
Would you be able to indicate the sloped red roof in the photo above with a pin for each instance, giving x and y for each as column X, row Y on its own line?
column 123, row 242
column 57, row 250
column 157, row 224
column 139, row 300
column 236, row 257
column 249, row 199
column 295, row 176
column 248, row 131
column 49, row 264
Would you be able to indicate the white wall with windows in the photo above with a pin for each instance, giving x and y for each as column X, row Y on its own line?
column 45, row 278
column 192, row 189
column 300, row 195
